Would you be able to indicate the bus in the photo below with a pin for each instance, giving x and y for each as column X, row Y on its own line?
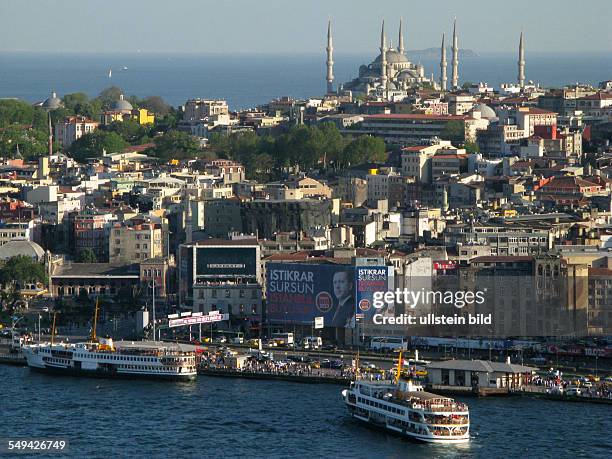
column 283, row 339
column 312, row 342
column 384, row 343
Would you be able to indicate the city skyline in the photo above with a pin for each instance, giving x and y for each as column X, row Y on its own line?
column 205, row 27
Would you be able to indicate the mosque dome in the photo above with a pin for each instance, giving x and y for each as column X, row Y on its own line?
column 485, row 111
column 121, row 104
column 23, row 247
column 393, row 57
column 52, row 102
column 408, row 75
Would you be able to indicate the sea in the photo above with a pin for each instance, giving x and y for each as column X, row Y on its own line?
column 246, row 80
column 239, row 418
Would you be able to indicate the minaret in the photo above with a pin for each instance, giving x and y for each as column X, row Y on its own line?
column 455, row 75
column 443, row 76
column 400, row 40
column 383, row 57
column 521, row 63
column 330, row 60
column 50, row 136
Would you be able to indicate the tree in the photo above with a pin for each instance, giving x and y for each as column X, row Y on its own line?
column 78, row 103
column 94, row 144
column 471, row 147
column 176, row 145
column 364, row 149
column 15, row 273
column 18, row 112
column 454, row 131
column 333, row 142
column 32, row 142
column 71, row 101
column 109, row 95
column 131, row 131
column 156, row 105
column 87, row 256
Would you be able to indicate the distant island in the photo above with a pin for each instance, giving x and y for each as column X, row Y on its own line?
column 435, row 52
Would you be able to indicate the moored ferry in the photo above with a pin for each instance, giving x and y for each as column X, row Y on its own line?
column 104, row 358
column 125, row 359
column 405, row 408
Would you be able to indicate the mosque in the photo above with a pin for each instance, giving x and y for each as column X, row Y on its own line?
column 391, row 74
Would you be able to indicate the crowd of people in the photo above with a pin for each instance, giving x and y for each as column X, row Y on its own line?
column 219, row 361
column 554, row 383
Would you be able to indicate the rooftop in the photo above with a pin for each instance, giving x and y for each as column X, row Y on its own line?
column 481, row 366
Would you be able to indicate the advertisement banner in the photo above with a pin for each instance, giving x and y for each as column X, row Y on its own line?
column 298, row 292
column 368, row 280
column 194, row 320
column 226, row 261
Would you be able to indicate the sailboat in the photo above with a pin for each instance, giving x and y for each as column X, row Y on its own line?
column 110, row 73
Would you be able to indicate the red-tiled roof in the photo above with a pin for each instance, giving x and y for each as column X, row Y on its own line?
column 415, row 148
column 600, row 272
column 419, row 116
column 494, row 259
column 214, row 242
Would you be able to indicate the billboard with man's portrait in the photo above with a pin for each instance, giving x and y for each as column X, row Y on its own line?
column 296, row 293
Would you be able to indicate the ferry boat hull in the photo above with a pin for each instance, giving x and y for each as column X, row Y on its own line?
column 63, row 371
column 404, row 434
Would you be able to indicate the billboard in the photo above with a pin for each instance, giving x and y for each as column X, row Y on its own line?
column 298, row 292
column 226, row 261
column 370, row 279
column 213, row 316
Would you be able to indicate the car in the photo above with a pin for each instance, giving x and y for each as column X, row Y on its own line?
column 238, row 340
column 221, row 339
column 575, row 391
column 329, row 347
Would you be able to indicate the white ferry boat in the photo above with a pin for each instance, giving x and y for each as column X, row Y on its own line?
column 405, row 408
column 125, row 359
column 103, row 358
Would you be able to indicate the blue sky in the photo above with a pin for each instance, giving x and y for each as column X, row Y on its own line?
column 298, row 26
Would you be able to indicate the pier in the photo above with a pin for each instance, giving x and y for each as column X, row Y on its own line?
column 12, row 358
column 323, row 378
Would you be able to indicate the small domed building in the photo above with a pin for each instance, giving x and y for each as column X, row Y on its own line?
column 18, row 247
column 121, row 105
column 52, row 103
